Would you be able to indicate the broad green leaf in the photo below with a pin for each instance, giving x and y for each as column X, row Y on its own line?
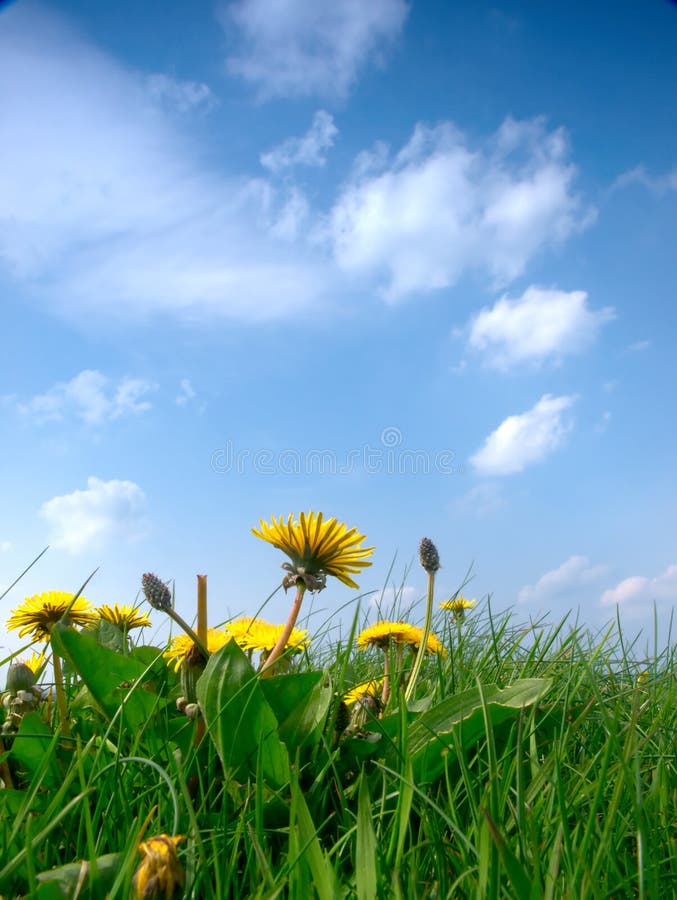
column 240, row 721
column 65, row 880
column 430, row 736
column 111, row 677
column 300, row 702
column 34, row 747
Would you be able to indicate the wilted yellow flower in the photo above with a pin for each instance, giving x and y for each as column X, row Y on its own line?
column 37, row 614
column 35, row 662
column 159, row 872
column 316, row 548
column 182, row 644
column 257, row 634
column 380, row 634
column 366, row 689
column 125, row 617
column 458, row 606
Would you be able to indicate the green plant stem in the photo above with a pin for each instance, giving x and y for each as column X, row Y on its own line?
column 278, row 649
column 416, row 668
column 385, row 694
column 189, row 631
column 61, row 696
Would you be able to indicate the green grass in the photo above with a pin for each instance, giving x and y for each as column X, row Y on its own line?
column 571, row 795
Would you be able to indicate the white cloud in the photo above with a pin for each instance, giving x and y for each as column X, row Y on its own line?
column 397, row 601
column 483, row 501
column 441, row 209
column 542, row 323
column 186, row 392
column 603, row 423
column 575, row 573
column 525, row 439
column 639, row 346
column 5, row 546
column 182, row 95
column 292, row 48
column 106, row 205
column 641, row 591
column 91, row 397
column 308, row 150
column 657, row 184
column 88, row 519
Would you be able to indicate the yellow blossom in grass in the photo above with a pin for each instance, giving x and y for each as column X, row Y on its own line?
column 159, row 873
column 380, row 635
column 366, row 689
column 36, row 662
column 37, row 614
column 257, row 634
column 316, row 548
column 182, row 644
column 125, row 617
column 458, row 606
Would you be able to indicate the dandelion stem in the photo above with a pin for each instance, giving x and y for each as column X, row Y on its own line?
column 61, row 696
column 416, row 668
column 202, row 634
column 385, row 695
column 278, row 649
column 189, row 631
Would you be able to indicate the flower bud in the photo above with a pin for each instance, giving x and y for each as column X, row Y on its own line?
column 428, row 555
column 156, row 592
column 20, row 677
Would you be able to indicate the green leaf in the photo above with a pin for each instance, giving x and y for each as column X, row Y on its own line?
column 34, row 747
column 366, row 860
column 111, row 677
column 519, row 878
column 300, row 702
column 310, row 852
column 64, row 880
column 240, row 721
column 431, row 735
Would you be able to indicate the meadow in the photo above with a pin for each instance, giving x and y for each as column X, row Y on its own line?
column 473, row 755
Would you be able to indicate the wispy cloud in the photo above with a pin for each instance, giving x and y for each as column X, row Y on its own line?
column 5, row 546
column 639, row 346
column 541, row 324
column 293, row 48
column 186, row 392
column 91, row 518
column 91, row 397
column 106, row 205
column 657, row 184
column 525, row 439
column 441, row 208
column 181, row 95
column 575, row 573
column 639, row 591
column 483, row 501
column 308, row 150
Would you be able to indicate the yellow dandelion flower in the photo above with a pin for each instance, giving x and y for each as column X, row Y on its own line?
column 316, row 548
column 124, row 616
column 159, row 872
column 458, row 604
column 257, row 634
column 37, row 614
column 36, row 662
column 380, row 635
column 366, row 689
column 182, row 644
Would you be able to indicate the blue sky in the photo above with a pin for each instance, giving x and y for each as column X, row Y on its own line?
column 410, row 264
